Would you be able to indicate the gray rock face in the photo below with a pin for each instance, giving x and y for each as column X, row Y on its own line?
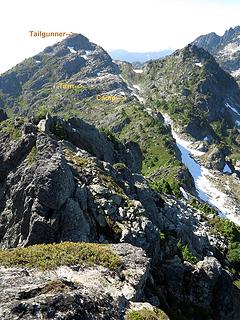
column 10, row 84
column 74, row 293
column 207, row 290
column 131, row 154
column 84, row 136
column 12, row 152
column 72, row 65
column 3, row 115
column 78, row 41
column 216, row 159
column 224, row 48
column 54, row 179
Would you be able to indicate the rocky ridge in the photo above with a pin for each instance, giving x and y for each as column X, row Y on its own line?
column 224, row 48
column 61, row 187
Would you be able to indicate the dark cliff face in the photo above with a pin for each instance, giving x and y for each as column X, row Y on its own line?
column 208, row 42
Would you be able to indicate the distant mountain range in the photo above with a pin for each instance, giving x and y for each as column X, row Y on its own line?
column 138, row 56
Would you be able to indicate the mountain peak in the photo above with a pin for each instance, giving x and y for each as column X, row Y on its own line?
column 225, row 49
column 78, row 41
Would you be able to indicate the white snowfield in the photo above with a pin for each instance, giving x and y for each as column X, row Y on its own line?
column 199, row 64
column 138, row 70
column 71, row 49
column 201, row 175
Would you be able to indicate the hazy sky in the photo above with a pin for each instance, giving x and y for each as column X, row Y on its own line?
column 134, row 25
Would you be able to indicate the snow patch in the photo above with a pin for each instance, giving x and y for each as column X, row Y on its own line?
column 201, row 175
column 136, row 87
column 186, row 144
column 232, row 108
column 237, row 123
column 71, row 49
column 88, row 52
column 140, row 99
column 184, row 193
column 227, row 169
column 84, row 56
column 138, row 70
column 199, row 64
column 37, row 61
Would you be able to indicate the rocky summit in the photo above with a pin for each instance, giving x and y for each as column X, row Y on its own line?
column 116, row 209
column 226, row 49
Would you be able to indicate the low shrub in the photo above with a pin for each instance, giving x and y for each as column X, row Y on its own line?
column 147, row 314
column 185, row 253
column 51, row 256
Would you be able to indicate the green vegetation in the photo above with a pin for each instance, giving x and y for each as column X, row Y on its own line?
column 129, row 75
column 58, row 131
column 156, row 143
column 179, row 91
column 147, row 314
column 78, row 161
column 42, row 112
column 32, row 157
column 119, row 166
column 162, row 237
column 172, row 187
column 204, row 207
column 8, row 126
column 231, row 231
column 51, row 256
column 110, row 135
column 237, row 283
column 234, row 157
column 226, row 228
column 108, row 182
column 185, row 253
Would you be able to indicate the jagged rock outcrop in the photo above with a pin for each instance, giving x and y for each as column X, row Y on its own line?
column 215, row 159
column 225, row 49
column 205, row 290
column 3, row 115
